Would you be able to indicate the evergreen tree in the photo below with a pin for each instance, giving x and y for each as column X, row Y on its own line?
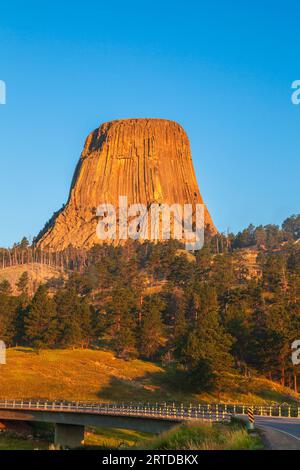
column 206, row 354
column 263, row 344
column 292, row 225
column 236, row 323
column 122, row 321
column 5, row 287
column 280, row 320
column 23, row 302
column 180, row 332
column 7, row 317
column 86, row 319
column 182, row 270
column 22, row 283
column 40, row 322
column 73, row 319
column 151, row 330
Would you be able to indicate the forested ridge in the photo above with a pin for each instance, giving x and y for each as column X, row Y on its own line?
column 205, row 313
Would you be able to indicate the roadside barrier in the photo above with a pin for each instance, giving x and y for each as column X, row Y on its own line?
column 220, row 412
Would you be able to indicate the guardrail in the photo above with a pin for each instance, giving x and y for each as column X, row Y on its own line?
column 179, row 412
column 283, row 410
column 154, row 410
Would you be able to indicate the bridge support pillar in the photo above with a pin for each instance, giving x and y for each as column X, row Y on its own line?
column 68, row 435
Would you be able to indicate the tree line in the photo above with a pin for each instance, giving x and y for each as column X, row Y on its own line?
column 23, row 253
column 201, row 313
column 43, row 321
column 75, row 259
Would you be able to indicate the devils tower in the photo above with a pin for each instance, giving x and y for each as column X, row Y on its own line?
column 147, row 160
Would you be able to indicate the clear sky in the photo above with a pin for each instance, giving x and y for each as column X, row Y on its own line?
column 223, row 69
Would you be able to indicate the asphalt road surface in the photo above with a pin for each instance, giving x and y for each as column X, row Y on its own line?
column 279, row 433
column 290, row 426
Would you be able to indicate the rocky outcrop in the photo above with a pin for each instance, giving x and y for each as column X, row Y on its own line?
column 147, row 160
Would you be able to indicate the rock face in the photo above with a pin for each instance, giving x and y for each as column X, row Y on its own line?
column 147, row 160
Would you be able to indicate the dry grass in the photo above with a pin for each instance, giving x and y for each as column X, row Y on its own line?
column 37, row 273
column 205, row 436
column 98, row 375
column 73, row 375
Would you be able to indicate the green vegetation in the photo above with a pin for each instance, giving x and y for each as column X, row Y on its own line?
column 205, row 319
column 114, row 438
column 40, row 436
column 189, row 436
column 10, row 441
column 205, row 436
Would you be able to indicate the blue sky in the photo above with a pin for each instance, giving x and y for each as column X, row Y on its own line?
column 223, row 69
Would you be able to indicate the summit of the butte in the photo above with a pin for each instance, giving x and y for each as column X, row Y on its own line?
column 147, row 160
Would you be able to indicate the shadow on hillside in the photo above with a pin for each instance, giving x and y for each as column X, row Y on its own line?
column 275, row 396
column 25, row 350
column 171, row 385
column 168, row 385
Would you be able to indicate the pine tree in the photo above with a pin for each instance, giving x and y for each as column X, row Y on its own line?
column 263, row 343
column 7, row 318
column 74, row 318
column 292, row 225
column 206, row 354
column 23, row 302
column 5, row 287
column 23, row 282
column 279, row 322
column 40, row 322
column 182, row 270
column 124, row 340
column 180, row 332
column 151, row 330
column 236, row 324
column 86, row 320
column 122, row 321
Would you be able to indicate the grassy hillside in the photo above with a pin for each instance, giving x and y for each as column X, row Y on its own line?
column 100, row 376
column 38, row 273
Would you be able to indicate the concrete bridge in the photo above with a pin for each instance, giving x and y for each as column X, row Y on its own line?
column 70, row 418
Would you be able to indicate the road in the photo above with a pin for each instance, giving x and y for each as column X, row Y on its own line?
column 290, row 426
column 280, row 433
